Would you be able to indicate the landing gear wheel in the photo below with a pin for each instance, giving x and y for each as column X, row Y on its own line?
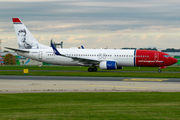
column 159, row 71
column 90, row 69
column 94, row 69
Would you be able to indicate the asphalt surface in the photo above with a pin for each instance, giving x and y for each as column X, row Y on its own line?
column 60, row 78
column 28, row 84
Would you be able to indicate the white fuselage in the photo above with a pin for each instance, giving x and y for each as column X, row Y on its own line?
column 122, row 57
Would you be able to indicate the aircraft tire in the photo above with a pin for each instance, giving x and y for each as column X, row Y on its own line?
column 90, row 69
column 94, row 69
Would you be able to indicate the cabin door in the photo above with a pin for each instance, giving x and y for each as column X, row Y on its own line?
column 156, row 56
column 40, row 55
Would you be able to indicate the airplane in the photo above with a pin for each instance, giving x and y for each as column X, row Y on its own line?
column 106, row 59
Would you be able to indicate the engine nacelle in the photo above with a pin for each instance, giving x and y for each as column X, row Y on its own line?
column 108, row 65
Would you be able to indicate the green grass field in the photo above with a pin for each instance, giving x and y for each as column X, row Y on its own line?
column 77, row 68
column 82, row 71
column 68, row 106
column 96, row 74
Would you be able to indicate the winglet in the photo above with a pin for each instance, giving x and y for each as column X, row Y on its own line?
column 82, row 47
column 55, row 50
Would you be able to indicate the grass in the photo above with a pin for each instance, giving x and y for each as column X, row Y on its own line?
column 82, row 71
column 77, row 68
column 85, row 106
column 95, row 74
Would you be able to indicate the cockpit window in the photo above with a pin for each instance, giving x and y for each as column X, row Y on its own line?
column 166, row 56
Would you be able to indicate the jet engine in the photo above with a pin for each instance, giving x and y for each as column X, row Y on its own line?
column 109, row 65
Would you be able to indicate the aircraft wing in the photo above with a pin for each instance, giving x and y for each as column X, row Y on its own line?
column 17, row 50
column 85, row 61
column 81, row 60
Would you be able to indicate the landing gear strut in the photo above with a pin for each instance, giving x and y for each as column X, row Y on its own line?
column 92, row 69
column 159, row 71
column 162, row 67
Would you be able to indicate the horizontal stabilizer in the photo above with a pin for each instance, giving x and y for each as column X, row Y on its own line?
column 17, row 50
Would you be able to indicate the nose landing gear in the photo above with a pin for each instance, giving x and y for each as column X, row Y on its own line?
column 162, row 67
column 159, row 71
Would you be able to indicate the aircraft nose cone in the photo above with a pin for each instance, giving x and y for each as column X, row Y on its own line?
column 174, row 60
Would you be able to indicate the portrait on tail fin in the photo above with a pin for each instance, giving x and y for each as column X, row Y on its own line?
column 23, row 43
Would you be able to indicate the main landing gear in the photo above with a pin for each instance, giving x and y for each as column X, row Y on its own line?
column 92, row 69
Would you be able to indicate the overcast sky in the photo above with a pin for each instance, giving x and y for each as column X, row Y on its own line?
column 94, row 23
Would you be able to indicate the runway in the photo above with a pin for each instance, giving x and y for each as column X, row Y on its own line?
column 28, row 84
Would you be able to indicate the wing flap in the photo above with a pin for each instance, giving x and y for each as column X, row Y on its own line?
column 86, row 61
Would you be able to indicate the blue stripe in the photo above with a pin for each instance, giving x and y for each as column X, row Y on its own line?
column 17, row 23
column 134, row 57
column 55, row 50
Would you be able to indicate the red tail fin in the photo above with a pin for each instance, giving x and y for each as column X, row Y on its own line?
column 16, row 20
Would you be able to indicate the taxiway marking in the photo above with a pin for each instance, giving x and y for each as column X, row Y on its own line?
column 144, row 79
column 115, row 86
